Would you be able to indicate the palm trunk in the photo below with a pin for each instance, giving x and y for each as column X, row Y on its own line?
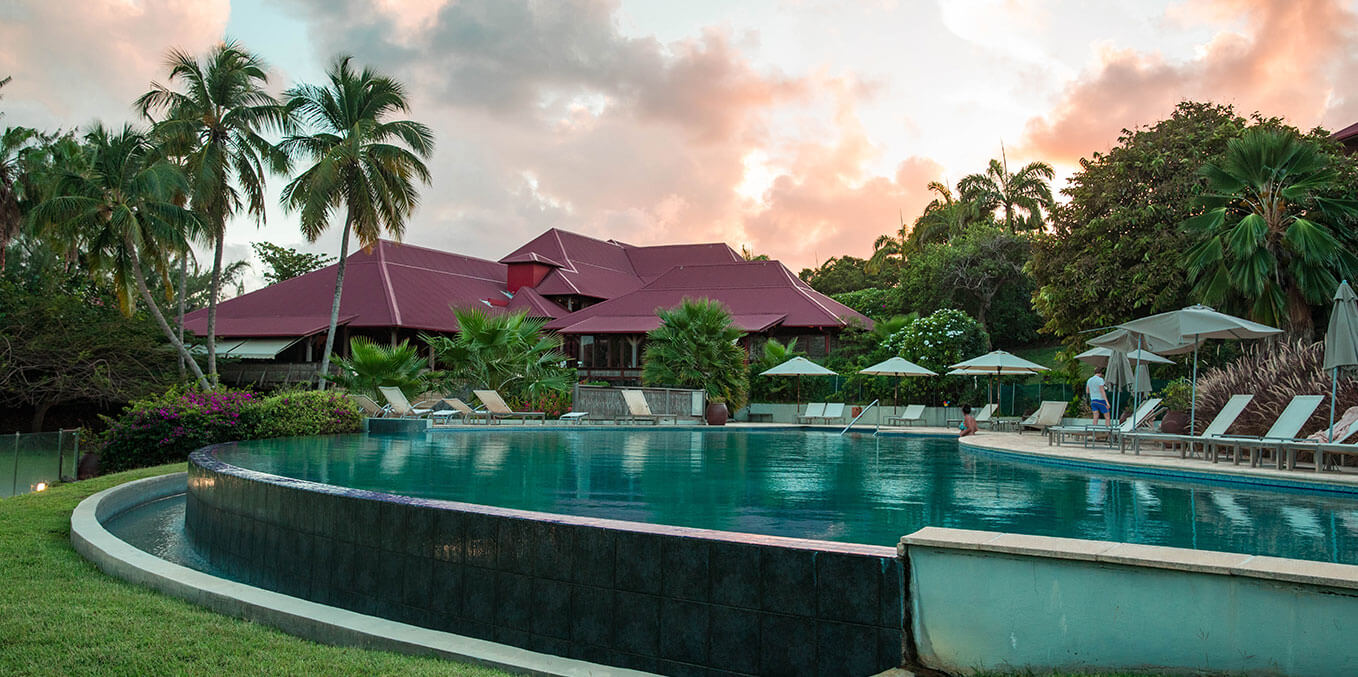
column 165, row 326
column 335, row 306
column 213, row 290
column 183, row 289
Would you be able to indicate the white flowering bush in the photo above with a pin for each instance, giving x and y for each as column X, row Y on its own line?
column 946, row 337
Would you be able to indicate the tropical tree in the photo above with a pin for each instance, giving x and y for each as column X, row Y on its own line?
column 214, row 125
column 969, row 271
column 888, row 250
column 772, row 388
column 372, row 365
column 122, row 211
column 509, row 352
column 361, row 164
column 285, row 263
column 696, row 346
column 14, row 142
column 1027, row 190
column 1269, row 241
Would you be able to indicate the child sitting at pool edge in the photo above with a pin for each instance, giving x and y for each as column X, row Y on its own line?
column 968, row 426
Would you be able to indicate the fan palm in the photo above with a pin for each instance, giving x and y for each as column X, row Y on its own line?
column 122, row 211
column 371, row 365
column 1263, row 244
column 696, row 346
column 358, row 164
column 214, row 125
column 14, row 144
column 1027, row 190
column 508, row 352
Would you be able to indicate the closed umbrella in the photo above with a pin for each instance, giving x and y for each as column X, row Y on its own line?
column 1137, row 378
column 799, row 367
column 1192, row 325
column 996, row 363
column 898, row 367
column 1341, row 340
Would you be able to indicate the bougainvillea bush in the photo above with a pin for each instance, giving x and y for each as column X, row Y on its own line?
column 168, row 427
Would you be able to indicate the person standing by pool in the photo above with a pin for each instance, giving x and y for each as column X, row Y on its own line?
column 1098, row 397
column 968, row 426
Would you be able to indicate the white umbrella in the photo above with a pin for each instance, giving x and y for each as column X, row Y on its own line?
column 799, row 367
column 898, row 367
column 1137, row 374
column 1193, row 324
column 996, row 363
column 1099, row 357
column 1341, row 340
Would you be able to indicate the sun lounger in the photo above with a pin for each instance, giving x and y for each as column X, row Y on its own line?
column 574, row 416
column 401, row 406
column 1284, row 430
column 913, row 413
column 1215, row 429
column 1346, row 428
column 983, row 417
column 638, row 409
column 1048, row 414
column 834, row 412
column 814, row 410
column 1143, row 415
column 457, row 407
column 369, row 408
column 496, row 409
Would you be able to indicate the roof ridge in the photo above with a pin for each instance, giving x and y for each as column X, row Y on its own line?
column 386, row 283
column 803, row 291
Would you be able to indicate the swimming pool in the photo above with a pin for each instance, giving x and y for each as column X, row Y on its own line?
column 853, row 489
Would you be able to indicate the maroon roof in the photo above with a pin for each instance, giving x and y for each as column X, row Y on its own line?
column 750, row 289
column 527, row 298
column 1346, row 134
column 391, row 285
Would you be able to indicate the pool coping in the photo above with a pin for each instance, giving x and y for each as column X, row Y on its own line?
column 295, row 616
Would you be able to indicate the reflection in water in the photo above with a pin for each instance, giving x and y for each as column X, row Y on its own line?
column 813, row 485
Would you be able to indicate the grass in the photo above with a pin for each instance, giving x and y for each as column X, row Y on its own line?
column 59, row 615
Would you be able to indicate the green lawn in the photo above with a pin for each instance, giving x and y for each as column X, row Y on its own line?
column 59, row 615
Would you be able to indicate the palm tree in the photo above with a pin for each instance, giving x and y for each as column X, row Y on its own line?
column 122, row 211
column 888, row 250
column 1264, row 244
column 14, row 144
column 696, row 346
column 214, row 126
column 358, row 164
column 371, row 365
column 942, row 219
column 509, row 352
column 1026, row 190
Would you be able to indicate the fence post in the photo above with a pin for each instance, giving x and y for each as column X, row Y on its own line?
column 14, row 483
column 61, row 458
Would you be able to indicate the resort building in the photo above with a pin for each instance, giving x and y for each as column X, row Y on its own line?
column 601, row 296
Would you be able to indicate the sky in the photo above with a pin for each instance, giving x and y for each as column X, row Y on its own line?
column 801, row 129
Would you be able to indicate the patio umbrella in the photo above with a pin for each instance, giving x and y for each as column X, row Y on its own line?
column 1341, row 340
column 799, row 367
column 996, row 363
column 1138, row 374
column 1193, row 324
column 1099, row 357
column 898, row 367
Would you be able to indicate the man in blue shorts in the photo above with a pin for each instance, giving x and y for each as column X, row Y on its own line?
column 1098, row 397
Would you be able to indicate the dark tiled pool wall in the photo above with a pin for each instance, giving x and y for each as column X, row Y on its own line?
column 661, row 602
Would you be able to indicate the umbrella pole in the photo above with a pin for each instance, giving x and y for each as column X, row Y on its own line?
column 1193, row 404
column 1334, row 388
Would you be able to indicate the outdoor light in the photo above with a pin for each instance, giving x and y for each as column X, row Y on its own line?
column 40, row 486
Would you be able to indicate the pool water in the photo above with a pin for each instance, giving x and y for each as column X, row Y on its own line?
column 859, row 489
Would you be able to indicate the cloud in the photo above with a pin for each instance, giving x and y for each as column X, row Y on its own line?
column 73, row 62
column 547, row 114
column 1287, row 61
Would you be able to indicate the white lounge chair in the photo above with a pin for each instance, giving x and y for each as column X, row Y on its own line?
column 459, row 408
column 982, row 417
column 638, row 409
column 1218, row 427
column 574, row 416
column 401, row 406
column 369, row 408
column 814, row 410
column 914, row 413
column 834, row 413
column 496, row 409
column 1143, row 415
column 1284, row 430
column 1048, row 414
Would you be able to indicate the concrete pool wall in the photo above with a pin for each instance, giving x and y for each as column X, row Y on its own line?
column 660, row 599
column 982, row 600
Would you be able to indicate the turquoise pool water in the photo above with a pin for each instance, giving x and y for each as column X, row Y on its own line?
column 856, row 489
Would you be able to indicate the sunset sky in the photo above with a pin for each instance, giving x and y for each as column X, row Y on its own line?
column 801, row 128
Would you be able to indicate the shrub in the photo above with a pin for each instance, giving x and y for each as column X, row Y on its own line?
column 946, row 337
column 696, row 346
column 1274, row 372
column 551, row 402
column 165, row 428
column 293, row 414
column 1178, row 395
column 876, row 303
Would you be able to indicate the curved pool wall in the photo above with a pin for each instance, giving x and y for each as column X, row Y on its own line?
column 654, row 598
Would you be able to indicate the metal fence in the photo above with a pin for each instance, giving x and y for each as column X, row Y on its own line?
column 605, row 403
column 32, row 461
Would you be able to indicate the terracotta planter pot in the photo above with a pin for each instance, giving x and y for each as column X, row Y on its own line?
column 716, row 413
column 1174, row 423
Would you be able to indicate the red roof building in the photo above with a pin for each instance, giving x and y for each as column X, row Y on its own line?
column 601, row 295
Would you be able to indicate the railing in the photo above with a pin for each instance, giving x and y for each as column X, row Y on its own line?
column 860, row 415
column 33, row 461
column 607, row 403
